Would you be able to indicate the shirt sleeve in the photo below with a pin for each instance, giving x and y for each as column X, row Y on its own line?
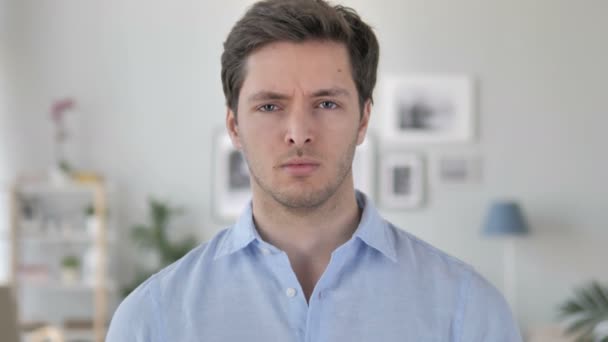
column 136, row 319
column 486, row 316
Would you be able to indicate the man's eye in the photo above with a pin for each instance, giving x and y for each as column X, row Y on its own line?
column 268, row 108
column 328, row 105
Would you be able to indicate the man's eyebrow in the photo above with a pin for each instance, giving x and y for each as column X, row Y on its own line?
column 266, row 95
column 331, row 92
column 271, row 95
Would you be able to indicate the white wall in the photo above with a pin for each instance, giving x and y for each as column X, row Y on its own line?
column 4, row 117
column 3, row 157
column 146, row 75
column 6, row 157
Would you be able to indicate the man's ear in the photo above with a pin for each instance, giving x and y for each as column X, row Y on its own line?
column 364, row 122
column 233, row 128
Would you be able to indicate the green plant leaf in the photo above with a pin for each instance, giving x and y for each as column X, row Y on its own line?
column 143, row 236
column 153, row 236
column 600, row 294
column 588, row 308
column 570, row 307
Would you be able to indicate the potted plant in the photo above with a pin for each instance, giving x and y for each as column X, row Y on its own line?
column 61, row 169
column 92, row 222
column 586, row 313
column 70, row 266
column 153, row 237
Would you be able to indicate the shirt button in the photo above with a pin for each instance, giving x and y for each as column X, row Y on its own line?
column 291, row 292
column 265, row 251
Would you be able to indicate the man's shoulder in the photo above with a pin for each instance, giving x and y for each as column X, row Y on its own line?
column 478, row 300
column 434, row 265
column 413, row 250
column 144, row 305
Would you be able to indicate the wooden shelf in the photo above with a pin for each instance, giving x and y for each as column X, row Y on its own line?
column 23, row 239
column 69, row 188
column 52, row 189
column 59, row 238
column 53, row 285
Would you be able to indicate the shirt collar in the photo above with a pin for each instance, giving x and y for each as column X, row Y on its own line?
column 241, row 234
column 373, row 230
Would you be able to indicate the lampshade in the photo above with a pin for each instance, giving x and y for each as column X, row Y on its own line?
column 505, row 218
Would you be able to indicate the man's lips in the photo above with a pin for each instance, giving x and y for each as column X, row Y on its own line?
column 300, row 167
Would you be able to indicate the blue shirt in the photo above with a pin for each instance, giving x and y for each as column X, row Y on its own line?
column 382, row 285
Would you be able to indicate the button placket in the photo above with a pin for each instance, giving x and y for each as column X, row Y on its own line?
column 291, row 292
column 325, row 287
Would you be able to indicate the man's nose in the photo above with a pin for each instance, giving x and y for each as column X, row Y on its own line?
column 300, row 127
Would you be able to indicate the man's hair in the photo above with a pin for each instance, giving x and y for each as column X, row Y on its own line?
column 272, row 21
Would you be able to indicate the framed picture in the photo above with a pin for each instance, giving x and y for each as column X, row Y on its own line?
column 364, row 163
column 463, row 168
column 424, row 109
column 231, row 187
column 401, row 181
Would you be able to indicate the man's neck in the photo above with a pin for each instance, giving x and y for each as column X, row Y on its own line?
column 308, row 236
column 310, row 231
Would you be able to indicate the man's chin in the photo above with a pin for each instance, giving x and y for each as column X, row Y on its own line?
column 302, row 198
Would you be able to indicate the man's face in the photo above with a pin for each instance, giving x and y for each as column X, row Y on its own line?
column 299, row 121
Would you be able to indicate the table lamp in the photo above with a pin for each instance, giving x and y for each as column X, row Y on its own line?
column 505, row 220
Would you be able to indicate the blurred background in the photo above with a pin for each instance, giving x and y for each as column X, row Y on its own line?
column 129, row 92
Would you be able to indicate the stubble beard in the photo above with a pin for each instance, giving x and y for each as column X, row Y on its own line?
column 306, row 201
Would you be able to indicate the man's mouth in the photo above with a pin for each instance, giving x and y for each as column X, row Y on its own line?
column 300, row 167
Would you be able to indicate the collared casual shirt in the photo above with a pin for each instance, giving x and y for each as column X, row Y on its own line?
column 382, row 285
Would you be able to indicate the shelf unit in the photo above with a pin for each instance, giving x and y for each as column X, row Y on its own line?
column 99, row 283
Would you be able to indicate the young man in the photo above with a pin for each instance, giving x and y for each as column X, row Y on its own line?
column 310, row 259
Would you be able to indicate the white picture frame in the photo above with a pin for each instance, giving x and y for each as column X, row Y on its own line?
column 231, row 187
column 402, row 178
column 364, row 165
column 428, row 109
